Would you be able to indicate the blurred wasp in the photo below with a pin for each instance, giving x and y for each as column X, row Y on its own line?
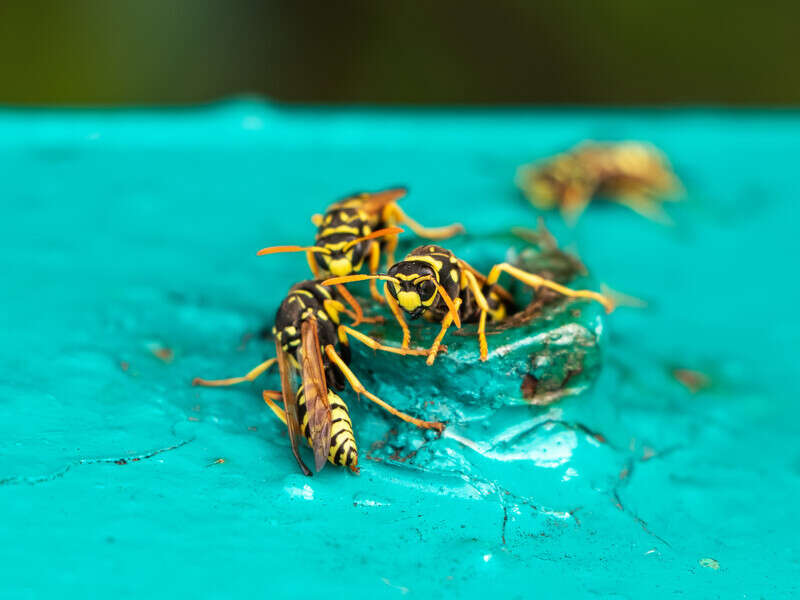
column 348, row 235
column 307, row 330
column 431, row 281
column 634, row 174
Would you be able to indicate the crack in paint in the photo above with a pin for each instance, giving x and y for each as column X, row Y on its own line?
column 622, row 480
column 121, row 460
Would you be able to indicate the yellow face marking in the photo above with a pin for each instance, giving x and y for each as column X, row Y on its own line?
column 408, row 300
column 340, row 267
column 453, row 275
column 405, row 277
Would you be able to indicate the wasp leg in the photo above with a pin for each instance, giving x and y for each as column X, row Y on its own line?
column 535, row 282
column 480, row 298
column 446, row 322
column 647, row 207
column 251, row 376
column 482, row 336
column 360, row 389
column 348, row 297
column 394, row 214
column 374, row 264
column 335, row 307
column 269, row 396
column 398, row 314
column 312, row 264
column 375, row 345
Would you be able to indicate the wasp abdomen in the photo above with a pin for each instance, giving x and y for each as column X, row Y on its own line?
column 344, row 451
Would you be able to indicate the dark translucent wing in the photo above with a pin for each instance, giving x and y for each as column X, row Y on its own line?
column 315, row 389
column 290, row 404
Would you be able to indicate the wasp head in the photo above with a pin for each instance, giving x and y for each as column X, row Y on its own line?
column 414, row 286
column 341, row 254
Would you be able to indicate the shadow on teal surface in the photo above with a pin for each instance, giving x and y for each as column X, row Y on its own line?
column 125, row 232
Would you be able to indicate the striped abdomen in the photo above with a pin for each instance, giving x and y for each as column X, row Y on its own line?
column 344, row 451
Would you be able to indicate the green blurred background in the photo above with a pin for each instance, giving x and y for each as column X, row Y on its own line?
column 80, row 52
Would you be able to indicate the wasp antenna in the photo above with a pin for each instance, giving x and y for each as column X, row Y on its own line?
column 277, row 249
column 378, row 233
column 449, row 301
column 350, row 278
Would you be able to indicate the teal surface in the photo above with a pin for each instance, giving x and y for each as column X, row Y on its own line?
column 122, row 233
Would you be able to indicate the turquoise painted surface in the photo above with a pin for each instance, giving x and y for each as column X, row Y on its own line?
column 124, row 232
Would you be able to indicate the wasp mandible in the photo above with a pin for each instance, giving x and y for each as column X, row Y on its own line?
column 311, row 341
column 349, row 234
column 433, row 282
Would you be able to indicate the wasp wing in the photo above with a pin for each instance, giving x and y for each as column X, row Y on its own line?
column 375, row 203
column 289, row 393
column 315, row 389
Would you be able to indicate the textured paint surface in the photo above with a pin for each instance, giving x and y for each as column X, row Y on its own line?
column 128, row 267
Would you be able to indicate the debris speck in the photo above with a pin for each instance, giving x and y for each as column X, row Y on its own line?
column 694, row 381
column 219, row 461
column 709, row 563
column 124, row 365
column 163, row 353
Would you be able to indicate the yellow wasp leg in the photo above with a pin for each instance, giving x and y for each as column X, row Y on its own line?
column 482, row 336
column 647, row 207
column 446, row 322
column 535, row 282
column 312, row 264
column 269, row 396
column 395, row 214
column 334, row 306
column 484, row 306
column 234, row 380
column 476, row 290
column 374, row 264
column 398, row 314
column 348, row 297
column 375, row 345
column 358, row 388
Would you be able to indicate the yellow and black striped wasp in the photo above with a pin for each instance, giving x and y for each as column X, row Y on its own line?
column 433, row 282
column 350, row 232
column 307, row 332
column 634, row 174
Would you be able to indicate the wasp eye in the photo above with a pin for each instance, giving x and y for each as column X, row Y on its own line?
column 427, row 288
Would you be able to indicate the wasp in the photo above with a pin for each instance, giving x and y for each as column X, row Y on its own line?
column 433, row 282
column 358, row 229
column 634, row 174
column 311, row 342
